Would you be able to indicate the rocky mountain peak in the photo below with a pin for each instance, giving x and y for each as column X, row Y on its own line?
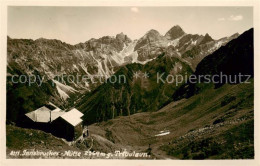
column 207, row 35
column 152, row 33
column 150, row 36
column 234, row 35
column 207, row 38
column 122, row 37
column 175, row 32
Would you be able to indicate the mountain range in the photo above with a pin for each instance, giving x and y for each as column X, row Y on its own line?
column 201, row 121
column 96, row 58
column 190, row 121
column 101, row 57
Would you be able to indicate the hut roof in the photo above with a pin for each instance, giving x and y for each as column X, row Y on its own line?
column 73, row 116
column 43, row 115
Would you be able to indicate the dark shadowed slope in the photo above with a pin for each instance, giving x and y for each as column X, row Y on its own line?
column 234, row 59
column 137, row 94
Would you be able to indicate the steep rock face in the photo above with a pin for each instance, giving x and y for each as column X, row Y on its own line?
column 53, row 58
column 206, row 39
column 201, row 49
column 122, row 37
column 191, row 47
column 234, row 59
column 174, row 33
column 150, row 45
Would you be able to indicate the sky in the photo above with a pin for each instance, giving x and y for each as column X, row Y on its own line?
column 79, row 24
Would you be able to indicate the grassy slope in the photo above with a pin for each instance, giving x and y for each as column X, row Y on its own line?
column 20, row 139
column 203, row 126
column 26, row 139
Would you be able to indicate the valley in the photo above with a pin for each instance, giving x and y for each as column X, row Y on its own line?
column 202, row 118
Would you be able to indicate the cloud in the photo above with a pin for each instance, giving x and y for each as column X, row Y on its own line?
column 135, row 9
column 231, row 18
column 236, row 18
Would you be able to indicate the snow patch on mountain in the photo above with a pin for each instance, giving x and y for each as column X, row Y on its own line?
column 62, row 94
column 65, row 88
column 194, row 42
column 146, row 61
column 175, row 42
column 162, row 133
column 82, row 65
column 118, row 58
column 75, row 66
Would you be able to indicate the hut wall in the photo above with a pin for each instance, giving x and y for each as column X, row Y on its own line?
column 78, row 130
column 63, row 129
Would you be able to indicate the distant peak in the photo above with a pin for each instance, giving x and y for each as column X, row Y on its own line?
column 235, row 35
column 152, row 34
column 41, row 39
column 207, row 38
column 152, row 31
column 175, row 32
column 207, row 35
column 121, row 36
column 176, row 27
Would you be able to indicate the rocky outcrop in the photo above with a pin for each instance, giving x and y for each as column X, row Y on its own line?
column 174, row 33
